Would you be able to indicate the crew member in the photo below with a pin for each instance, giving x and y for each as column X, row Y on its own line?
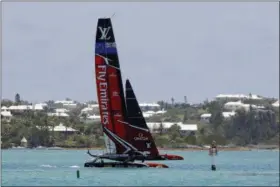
column 143, row 159
column 131, row 157
column 213, row 148
column 101, row 163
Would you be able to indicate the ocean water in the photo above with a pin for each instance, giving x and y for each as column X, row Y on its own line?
column 58, row 168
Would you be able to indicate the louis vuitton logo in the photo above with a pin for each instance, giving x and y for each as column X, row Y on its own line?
column 104, row 33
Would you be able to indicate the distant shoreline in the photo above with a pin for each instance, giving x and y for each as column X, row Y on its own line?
column 275, row 148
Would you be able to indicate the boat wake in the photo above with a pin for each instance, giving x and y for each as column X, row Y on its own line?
column 47, row 166
column 257, row 173
column 74, row 166
column 53, row 166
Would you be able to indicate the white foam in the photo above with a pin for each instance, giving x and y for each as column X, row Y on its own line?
column 48, row 166
column 74, row 166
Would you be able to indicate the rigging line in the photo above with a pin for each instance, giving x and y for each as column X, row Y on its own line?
column 113, row 15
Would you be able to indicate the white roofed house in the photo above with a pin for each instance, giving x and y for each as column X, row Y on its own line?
column 92, row 118
column 94, row 106
column 149, row 106
column 4, row 108
column 160, row 112
column 228, row 115
column 24, row 108
column 61, row 129
column 231, row 97
column 148, row 114
column 64, row 129
column 151, row 109
column 255, row 97
column 19, row 109
column 23, row 142
column 206, row 117
column 234, row 97
column 151, row 113
column 87, row 110
column 40, row 106
column 155, row 127
column 188, row 129
column 60, row 112
column 233, row 106
column 185, row 129
column 6, row 115
column 69, row 104
column 276, row 104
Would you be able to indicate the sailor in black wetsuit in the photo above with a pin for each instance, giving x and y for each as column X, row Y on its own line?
column 143, row 159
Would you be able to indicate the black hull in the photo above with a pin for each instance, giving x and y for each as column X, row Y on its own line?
column 159, row 157
column 115, row 165
column 140, row 158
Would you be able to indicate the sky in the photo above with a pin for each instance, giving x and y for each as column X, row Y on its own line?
column 198, row 50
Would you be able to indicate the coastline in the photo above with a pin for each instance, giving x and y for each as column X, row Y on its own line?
column 197, row 148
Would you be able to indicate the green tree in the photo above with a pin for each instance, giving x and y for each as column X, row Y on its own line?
column 185, row 99
column 84, row 116
column 172, row 101
column 174, row 131
column 17, row 99
column 160, row 128
column 6, row 102
column 186, row 117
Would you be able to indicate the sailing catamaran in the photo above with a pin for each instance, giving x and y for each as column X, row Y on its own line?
column 126, row 134
column 140, row 135
column 112, row 104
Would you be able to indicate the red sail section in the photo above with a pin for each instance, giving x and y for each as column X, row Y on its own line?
column 103, row 92
column 116, row 102
column 109, row 85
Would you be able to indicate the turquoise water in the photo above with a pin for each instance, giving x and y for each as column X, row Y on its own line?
column 58, row 167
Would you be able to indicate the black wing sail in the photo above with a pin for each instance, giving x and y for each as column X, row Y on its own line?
column 139, row 133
